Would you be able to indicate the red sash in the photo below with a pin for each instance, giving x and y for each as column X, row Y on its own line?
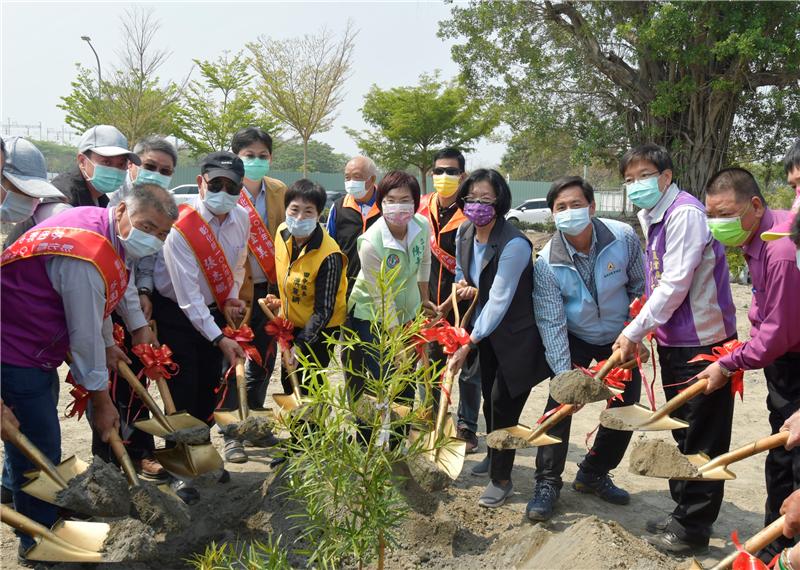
column 429, row 208
column 260, row 241
column 208, row 252
column 80, row 244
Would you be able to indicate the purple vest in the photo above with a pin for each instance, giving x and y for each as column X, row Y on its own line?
column 707, row 315
column 31, row 312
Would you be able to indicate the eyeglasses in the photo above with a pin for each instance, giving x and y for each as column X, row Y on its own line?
column 643, row 176
column 449, row 170
column 487, row 202
column 218, row 184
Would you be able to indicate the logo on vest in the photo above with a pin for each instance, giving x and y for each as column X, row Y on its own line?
column 392, row 260
column 612, row 269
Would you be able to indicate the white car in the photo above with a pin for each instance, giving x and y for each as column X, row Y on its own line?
column 184, row 194
column 531, row 212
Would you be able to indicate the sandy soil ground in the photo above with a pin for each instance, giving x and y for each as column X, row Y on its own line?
column 449, row 530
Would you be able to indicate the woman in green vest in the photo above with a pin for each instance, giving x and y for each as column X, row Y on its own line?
column 310, row 270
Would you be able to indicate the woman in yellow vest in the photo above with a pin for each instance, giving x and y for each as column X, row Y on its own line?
column 311, row 272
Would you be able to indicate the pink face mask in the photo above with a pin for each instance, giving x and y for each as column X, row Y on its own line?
column 398, row 214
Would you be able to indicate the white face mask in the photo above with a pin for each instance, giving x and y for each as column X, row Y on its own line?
column 139, row 244
column 356, row 188
column 398, row 214
column 17, row 207
column 220, row 203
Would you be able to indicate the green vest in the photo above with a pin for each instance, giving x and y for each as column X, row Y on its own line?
column 404, row 287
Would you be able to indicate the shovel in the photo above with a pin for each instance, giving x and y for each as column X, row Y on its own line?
column 640, row 418
column 596, row 391
column 45, row 483
column 537, row 437
column 68, row 541
column 761, row 539
column 187, row 461
column 224, row 417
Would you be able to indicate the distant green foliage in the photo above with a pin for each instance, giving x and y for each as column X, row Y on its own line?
column 60, row 158
column 288, row 155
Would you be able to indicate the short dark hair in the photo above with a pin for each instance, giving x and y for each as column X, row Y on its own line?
column 503, row 203
column 157, row 143
column 397, row 179
column 567, row 182
column 650, row 152
column 306, row 190
column 249, row 135
column 450, row 152
column 792, row 158
column 741, row 181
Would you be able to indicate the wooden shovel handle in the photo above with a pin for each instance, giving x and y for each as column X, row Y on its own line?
column 613, row 360
column 756, row 543
column 144, row 395
column 163, row 389
column 241, row 387
column 679, row 400
column 759, row 445
column 292, row 372
column 553, row 419
column 459, row 320
column 26, row 446
column 28, row 526
column 124, row 459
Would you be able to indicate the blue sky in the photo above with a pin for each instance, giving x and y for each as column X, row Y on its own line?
column 41, row 43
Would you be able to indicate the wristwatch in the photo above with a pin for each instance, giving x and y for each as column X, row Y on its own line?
column 144, row 291
column 725, row 372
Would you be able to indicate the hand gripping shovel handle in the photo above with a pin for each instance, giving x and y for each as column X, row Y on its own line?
column 163, row 389
column 679, row 400
column 763, row 444
column 124, row 459
column 26, row 446
column 613, row 360
column 756, row 543
column 241, row 388
column 144, row 396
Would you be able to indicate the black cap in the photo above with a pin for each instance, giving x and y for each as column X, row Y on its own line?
column 224, row 164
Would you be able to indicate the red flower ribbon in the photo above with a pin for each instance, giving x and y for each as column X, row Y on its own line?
column 80, row 399
column 737, row 380
column 157, row 362
column 244, row 335
column 282, row 330
column 745, row 560
column 451, row 338
column 615, row 378
column 119, row 336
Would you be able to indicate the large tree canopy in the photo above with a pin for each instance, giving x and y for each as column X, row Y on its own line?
column 620, row 73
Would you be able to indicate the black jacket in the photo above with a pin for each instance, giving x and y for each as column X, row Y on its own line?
column 73, row 185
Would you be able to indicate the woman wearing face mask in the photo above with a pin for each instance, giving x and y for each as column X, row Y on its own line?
column 310, row 269
column 494, row 261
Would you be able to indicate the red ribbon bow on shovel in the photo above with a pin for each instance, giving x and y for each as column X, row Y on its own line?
column 745, row 560
column 282, row 330
column 451, row 338
column 80, row 399
column 157, row 362
column 737, row 380
column 244, row 335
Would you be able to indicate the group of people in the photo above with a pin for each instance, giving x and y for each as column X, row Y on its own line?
column 104, row 247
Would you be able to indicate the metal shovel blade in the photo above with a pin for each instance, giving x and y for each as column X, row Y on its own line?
column 637, row 418
column 87, row 535
column 534, row 437
column 178, row 421
column 189, row 460
column 287, row 402
column 227, row 417
column 449, row 454
column 44, row 487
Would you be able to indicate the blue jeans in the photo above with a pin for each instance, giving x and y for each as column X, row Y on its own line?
column 29, row 393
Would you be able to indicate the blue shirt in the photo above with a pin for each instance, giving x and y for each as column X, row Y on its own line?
column 260, row 204
column 330, row 225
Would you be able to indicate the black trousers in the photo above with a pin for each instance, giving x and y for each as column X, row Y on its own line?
column 200, row 361
column 138, row 444
column 710, row 419
column 609, row 444
column 316, row 351
column 782, row 468
column 500, row 409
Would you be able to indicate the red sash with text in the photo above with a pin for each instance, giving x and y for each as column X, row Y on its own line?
column 208, row 252
column 80, row 244
column 260, row 242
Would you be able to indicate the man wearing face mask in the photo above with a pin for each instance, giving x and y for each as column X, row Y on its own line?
column 584, row 281
column 739, row 217
column 690, row 311
column 197, row 282
column 61, row 280
column 102, row 163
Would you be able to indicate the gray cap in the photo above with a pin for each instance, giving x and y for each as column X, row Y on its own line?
column 106, row 140
column 26, row 168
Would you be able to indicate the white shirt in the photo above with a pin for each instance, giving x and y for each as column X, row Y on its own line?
column 178, row 275
column 687, row 236
column 260, row 204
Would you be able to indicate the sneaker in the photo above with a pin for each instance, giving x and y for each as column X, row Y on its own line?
column 482, row 468
column 495, row 495
column 543, row 503
column 470, row 437
column 671, row 543
column 602, row 486
column 657, row 526
column 150, row 468
column 234, row 452
column 6, row 496
column 185, row 491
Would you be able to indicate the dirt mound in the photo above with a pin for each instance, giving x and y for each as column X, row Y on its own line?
column 190, row 436
column 129, row 539
column 159, row 510
column 577, row 387
column 252, row 428
column 501, row 439
column 100, row 491
column 657, row 458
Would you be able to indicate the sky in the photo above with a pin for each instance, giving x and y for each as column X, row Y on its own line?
column 41, row 44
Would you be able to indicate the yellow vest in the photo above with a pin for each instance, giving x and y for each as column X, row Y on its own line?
column 297, row 281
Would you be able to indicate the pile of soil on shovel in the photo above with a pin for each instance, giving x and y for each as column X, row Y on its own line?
column 161, row 511
column 197, row 435
column 577, row 387
column 501, row 439
column 656, row 458
column 129, row 540
column 427, row 474
column 101, row 491
column 252, row 428
column 610, row 421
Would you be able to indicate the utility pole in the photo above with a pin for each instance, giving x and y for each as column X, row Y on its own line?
column 88, row 40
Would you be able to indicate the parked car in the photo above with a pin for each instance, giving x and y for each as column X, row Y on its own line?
column 531, row 212
column 185, row 193
column 332, row 197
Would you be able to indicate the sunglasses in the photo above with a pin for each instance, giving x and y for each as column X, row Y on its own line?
column 486, row 202
column 219, row 184
column 449, row 170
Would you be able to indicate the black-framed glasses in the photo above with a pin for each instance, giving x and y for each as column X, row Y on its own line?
column 219, row 184
column 469, row 200
column 452, row 171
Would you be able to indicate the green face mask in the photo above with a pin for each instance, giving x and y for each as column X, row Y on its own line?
column 729, row 231
column 255, row 168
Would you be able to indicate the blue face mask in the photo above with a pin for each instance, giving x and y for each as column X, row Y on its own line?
column 153, row 177
column 220, row 203
column 139, row 244
column 644, row 193
column 572, row 221
column 255, row 168
column 300, row 227
column 106, row 179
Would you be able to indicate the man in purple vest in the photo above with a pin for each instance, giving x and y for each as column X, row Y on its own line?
column 741, row 218
column 690, row 311
column 53, row 303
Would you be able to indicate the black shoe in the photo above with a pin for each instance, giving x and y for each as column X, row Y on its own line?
column 471, row 439
column 658, row 526
column 185, row 492
column 602, row 486
column 225, row 477
column 543, row 503
column 6, row 496
column 671, row 543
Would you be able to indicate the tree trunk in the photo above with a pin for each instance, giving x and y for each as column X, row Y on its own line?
column 423, row 180
column 305, row 157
